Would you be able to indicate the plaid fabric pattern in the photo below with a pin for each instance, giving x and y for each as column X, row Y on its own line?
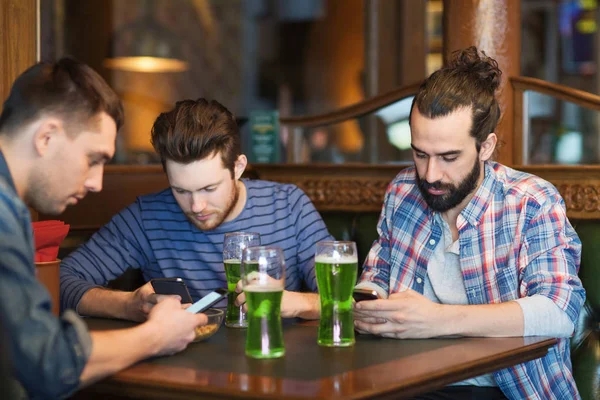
column 515, row 241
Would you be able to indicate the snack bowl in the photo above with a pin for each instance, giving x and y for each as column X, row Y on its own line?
column 215, row 320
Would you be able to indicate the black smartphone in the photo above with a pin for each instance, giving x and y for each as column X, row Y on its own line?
column 172, row 286
column 364, row 294
column 207, row 301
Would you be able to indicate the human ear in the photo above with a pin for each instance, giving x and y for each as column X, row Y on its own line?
column 240, row 166
column 487, row 147
column 47, row 134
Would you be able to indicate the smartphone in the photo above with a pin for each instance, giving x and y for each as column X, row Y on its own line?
column 364, row 294
column 207, row 301
column 172, row 286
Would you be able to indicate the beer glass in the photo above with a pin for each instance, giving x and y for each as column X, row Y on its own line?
column 263, row 281
column 233, row 246
column 336, row 265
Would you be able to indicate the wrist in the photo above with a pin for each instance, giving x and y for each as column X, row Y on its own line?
column 447, row 320
column 151, row 338
column 130, row 306
column 311, row 306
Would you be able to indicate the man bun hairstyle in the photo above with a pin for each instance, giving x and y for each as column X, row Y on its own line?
column 195, row 130
column 470, row 80
column 67, row 89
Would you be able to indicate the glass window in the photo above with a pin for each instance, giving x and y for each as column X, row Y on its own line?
column 558, row 42
column 559, row 132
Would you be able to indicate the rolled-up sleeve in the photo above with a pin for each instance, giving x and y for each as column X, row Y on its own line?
column 47, row 354
column 550, row 258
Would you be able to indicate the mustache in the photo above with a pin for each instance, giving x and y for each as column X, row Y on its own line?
column 437, row 185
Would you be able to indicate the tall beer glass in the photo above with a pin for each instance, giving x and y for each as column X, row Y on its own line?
column 233, row 246
column 263, row 281
column 336, row 266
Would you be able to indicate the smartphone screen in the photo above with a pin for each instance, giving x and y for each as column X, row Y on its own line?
column 172, row 286
column 207, row 301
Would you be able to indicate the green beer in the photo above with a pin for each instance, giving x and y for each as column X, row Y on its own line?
column 264, row 338
column 235, row 316
column 336, row 280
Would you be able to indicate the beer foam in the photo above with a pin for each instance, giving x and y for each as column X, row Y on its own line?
column 269, row 287
column 233, row 261
column 336, row 260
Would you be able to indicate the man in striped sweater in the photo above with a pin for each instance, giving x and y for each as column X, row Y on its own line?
column 179, row 231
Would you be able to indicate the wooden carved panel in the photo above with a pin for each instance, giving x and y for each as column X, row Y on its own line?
column 344, row 194
column 349, row 188
column 581, row 199
column 336, row 188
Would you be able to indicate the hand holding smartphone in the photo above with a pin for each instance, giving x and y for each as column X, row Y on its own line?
column 171, row 286
column 207, row 301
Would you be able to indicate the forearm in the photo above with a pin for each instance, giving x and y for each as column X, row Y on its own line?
column 301, row 305
column 491, row 320
column 113, row 351
column 106, row 303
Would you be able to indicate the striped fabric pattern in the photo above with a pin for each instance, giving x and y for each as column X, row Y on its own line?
column 515, row 241
column 154, row 235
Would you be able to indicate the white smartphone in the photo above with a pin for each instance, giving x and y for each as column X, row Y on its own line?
column 207, row 301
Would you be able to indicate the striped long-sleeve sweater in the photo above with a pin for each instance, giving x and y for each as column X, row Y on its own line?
column 154, row 235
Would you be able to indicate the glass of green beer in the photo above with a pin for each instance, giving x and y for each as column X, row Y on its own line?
column 233, row 246
column 336, row 266
column 263, row 281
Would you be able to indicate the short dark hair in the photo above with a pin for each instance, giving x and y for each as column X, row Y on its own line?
column 68, row 89
column 194, row 130
column 470, row 80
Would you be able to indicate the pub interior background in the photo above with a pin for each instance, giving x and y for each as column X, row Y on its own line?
column 314, row 56
column 307, row 57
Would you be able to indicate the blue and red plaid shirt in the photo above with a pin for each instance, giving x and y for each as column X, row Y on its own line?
column 515, row 241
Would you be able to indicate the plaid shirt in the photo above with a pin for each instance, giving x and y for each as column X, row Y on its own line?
column 515, row 241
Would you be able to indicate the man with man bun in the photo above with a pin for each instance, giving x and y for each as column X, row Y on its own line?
column 470, row 247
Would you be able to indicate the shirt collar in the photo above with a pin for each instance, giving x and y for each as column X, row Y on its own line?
column 5, row 172
column 473, row 212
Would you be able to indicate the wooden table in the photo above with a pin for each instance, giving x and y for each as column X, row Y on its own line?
column 374, row 368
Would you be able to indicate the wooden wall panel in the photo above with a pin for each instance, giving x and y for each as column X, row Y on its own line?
column 17, row 40
column 347, row 188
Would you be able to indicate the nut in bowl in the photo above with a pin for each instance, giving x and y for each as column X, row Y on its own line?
column 215, row 318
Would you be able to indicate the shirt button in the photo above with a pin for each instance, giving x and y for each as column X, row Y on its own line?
column 432, row 241
column 419, row 280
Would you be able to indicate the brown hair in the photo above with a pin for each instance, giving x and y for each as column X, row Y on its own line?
column 67, row 89
column 469, row 80
column 194, row 130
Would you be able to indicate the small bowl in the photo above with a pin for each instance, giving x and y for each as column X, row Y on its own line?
column 215, row 319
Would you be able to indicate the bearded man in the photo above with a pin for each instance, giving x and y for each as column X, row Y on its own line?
column 179, row 231
column 470, row 247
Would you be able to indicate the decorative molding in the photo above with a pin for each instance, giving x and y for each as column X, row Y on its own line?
column 344, row 194
column 348, row 188
column 343, row 188
column 581, row 199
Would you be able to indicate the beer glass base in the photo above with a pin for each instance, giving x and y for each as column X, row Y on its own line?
column 238, row 325
column 345, row 343
column 259, row 355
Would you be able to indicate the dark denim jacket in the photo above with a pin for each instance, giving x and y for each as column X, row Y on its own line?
column 47, row 354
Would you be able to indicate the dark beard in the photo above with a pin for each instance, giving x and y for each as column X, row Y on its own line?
column 454, row 196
